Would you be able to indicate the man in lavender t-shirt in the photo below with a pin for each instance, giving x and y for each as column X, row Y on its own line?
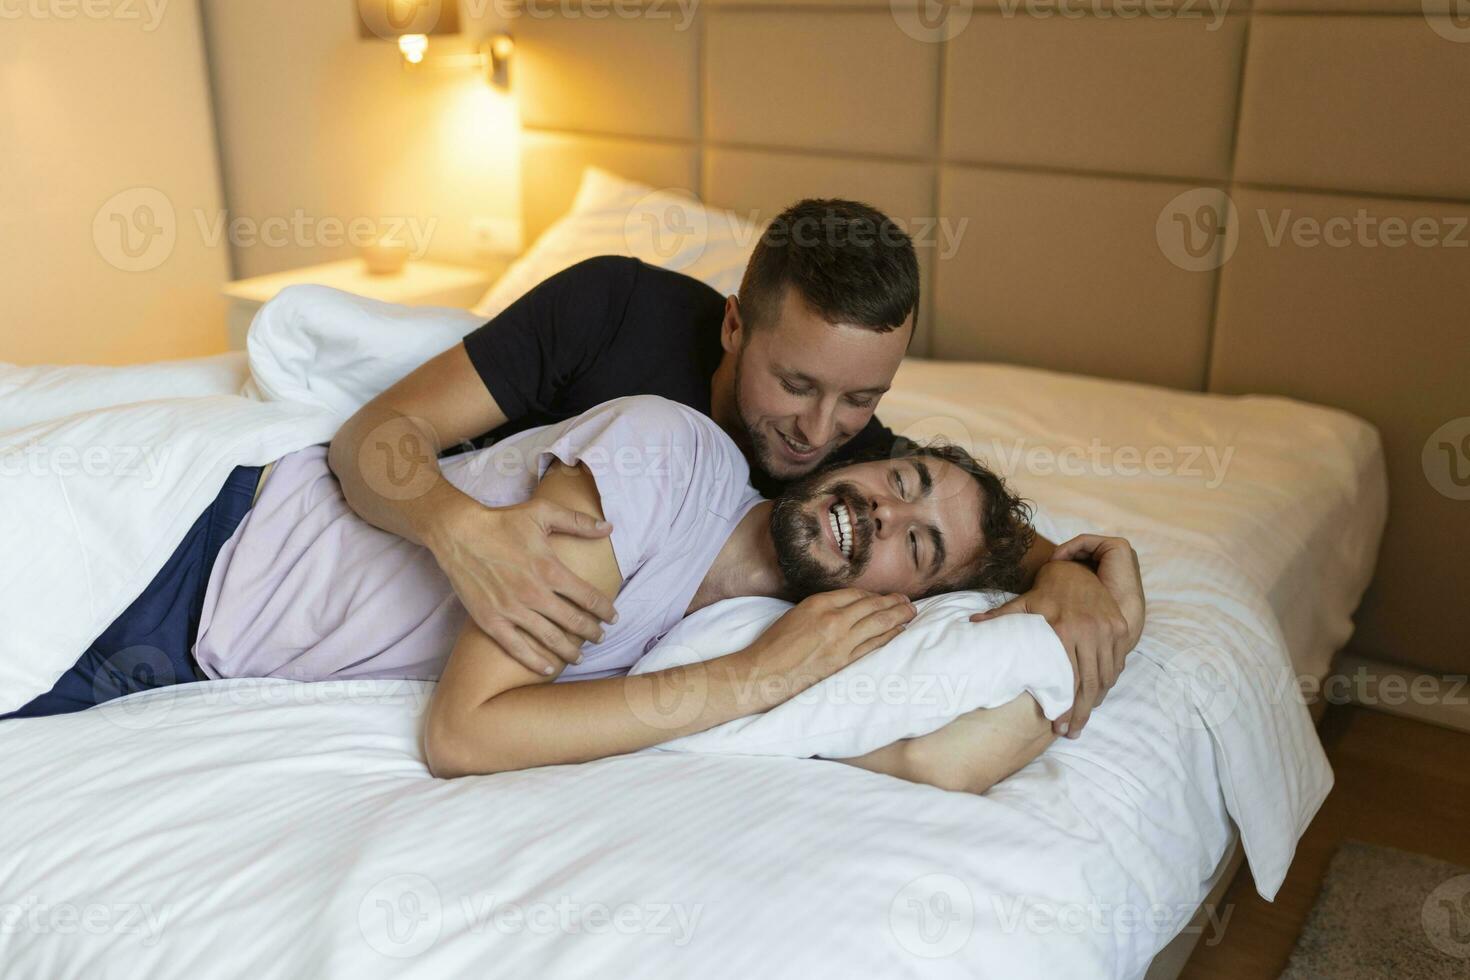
column 307, row 590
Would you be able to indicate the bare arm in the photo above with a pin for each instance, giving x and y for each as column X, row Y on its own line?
column 386, row 455
column 491, row 714
column 497, row 559
column 971, row 753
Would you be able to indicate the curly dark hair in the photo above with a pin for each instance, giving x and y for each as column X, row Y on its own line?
column 850, row 262
column 1006, row 534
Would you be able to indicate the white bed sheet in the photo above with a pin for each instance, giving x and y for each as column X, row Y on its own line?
column 267, row 828
column 284, row 830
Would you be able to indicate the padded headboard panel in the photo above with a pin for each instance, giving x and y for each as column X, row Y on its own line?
column 1217, row 198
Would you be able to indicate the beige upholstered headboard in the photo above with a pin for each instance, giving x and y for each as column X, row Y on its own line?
column 1232, row 200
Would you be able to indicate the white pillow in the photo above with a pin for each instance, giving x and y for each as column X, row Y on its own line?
column 614, row 216
column 939, row 668
column 334, row 350
column 51, row 391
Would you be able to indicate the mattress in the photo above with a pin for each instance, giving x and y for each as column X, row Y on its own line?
column 271, row 828
column 1294, row 495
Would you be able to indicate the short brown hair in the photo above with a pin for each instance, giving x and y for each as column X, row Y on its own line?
column 851, row 262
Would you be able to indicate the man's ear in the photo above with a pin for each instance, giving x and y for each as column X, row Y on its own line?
column 732, row 329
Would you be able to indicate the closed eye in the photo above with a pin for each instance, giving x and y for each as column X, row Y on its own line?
column 914, row 548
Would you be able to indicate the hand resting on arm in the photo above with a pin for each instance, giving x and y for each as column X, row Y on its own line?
column 498, row 560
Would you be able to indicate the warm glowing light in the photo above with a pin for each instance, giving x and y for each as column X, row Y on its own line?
column 502, row 46
column 413, row 47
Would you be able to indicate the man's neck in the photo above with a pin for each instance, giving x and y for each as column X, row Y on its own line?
column 722, row 402
column 746, row 564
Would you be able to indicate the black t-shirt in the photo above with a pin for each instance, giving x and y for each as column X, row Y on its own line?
column 606, row 328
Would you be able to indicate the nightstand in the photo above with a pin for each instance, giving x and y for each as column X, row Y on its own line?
column 420, row 283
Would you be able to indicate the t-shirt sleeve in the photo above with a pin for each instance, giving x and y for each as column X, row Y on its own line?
column 651, row 458
column 543, row 341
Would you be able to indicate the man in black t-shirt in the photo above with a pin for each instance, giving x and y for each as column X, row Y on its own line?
column 792, row 368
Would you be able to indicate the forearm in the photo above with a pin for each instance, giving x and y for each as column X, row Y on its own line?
column 388, row 466
column 971, row 753
column 544, row 724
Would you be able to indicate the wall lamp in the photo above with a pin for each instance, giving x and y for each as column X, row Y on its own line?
column 412, row 22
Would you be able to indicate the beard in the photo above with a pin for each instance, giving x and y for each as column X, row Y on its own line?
column 798, row 535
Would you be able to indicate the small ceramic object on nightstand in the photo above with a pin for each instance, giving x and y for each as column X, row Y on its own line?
column 385, row 258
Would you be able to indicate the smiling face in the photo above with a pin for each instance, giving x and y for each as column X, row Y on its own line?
column 804, row 386
column 909, row 525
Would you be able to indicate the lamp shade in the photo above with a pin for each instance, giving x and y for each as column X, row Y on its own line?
column 392, row 19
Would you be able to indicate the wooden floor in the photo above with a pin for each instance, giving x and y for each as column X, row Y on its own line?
column 1400, row 783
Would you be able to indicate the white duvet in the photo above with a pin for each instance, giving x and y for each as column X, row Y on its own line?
column 284, row 829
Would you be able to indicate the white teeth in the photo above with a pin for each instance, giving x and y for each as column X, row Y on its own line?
column 841, row 522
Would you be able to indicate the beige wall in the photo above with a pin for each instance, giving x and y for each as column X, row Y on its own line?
column 319, row 128
column 106, row 120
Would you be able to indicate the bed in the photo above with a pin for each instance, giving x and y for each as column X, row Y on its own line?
column 268, row 828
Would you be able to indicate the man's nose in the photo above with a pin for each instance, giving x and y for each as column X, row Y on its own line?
column 885, row 514
column 817, row 427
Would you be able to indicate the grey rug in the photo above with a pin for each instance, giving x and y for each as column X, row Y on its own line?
column 1385, row 913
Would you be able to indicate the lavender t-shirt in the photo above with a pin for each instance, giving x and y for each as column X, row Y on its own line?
column 305, row 589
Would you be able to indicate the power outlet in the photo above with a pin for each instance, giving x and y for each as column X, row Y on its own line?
column 496, row 236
